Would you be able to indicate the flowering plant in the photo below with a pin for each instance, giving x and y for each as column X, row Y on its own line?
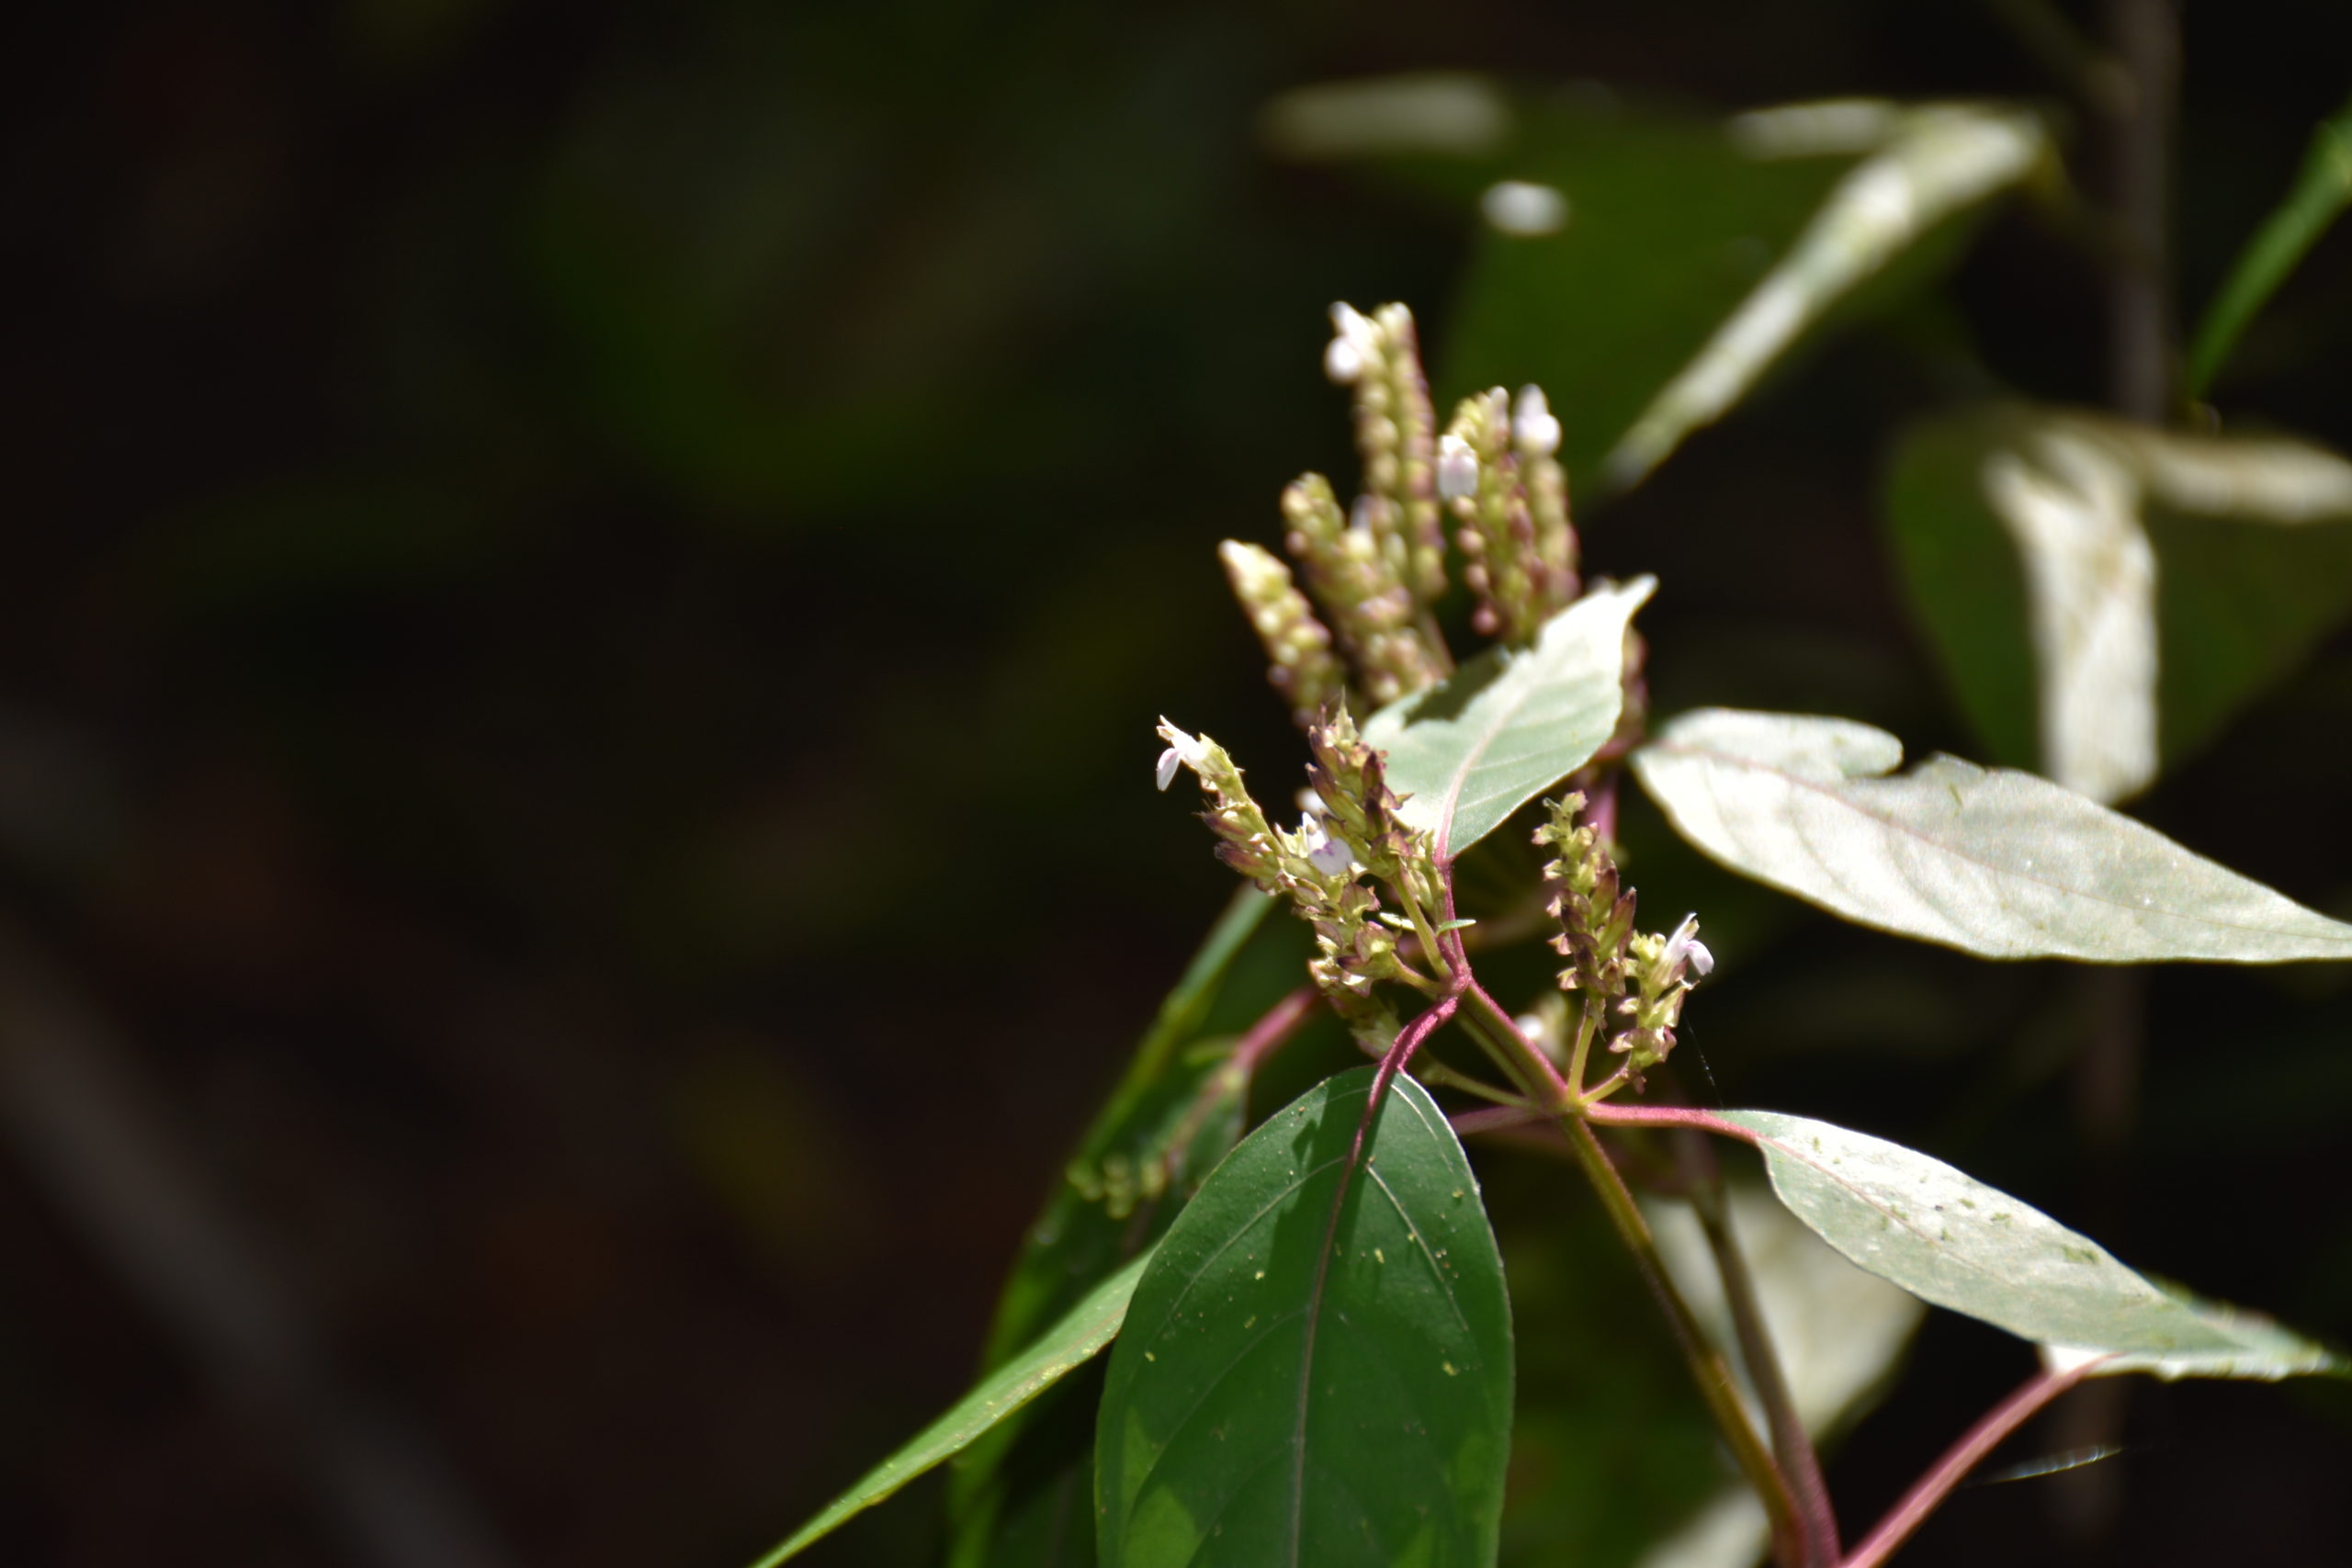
column 1312, row 1345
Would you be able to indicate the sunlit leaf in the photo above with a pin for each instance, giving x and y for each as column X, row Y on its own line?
column 1955, row 1242
column 1936, row 159
column 1068, row 1344
column 1989, row 861
column 1507, row 725
column 1319, row 1369
column 2322, row 190
column 2053, row 555
column 1024, row 1493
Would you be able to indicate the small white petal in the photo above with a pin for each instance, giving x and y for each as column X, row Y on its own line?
column 1530, row 1027
column 1342, row 361
column 1325, row 853
column 1685, row 948
column 1457, row 468
column 1534, row 429
column 1166, row 771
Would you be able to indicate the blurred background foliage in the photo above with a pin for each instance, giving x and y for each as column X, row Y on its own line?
column 583, row 595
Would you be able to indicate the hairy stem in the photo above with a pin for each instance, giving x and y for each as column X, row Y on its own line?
column 1930, row 1491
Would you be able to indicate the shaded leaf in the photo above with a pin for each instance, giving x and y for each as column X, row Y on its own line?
column 1935, row 161
column 1508, row 724
column 2053, row 555
column 1024, row 1493
column 2322, row 190
column 1952, row 1241
column 1068, row 1344
column 1992, row 862
column 1321, row 1366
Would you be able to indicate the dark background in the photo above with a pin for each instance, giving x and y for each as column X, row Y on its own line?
column 583, row 595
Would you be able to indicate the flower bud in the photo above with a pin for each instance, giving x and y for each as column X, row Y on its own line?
column 1457, row 469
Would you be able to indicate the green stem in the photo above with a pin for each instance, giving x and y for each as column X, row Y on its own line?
column 1717, row 1387
column 1791, row 1444
column 1402, row 888
column 1528, row 1067
column 1793, row 1534
column 1587, row 1026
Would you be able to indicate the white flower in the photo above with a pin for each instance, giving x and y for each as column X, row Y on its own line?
column 1457, row 468
column 1685, row 944
column 1354, row 346
column 1183, row 751
column 1325, row 853
column 1532, row 429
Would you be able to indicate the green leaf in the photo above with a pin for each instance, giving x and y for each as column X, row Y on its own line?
column 2054, row 554
column 1935, row 161
column 1951, row 1240
column 1024, row 1493
column 1068, row 1344
column 1999, row 863
column 1320, row 1369
column 1508, row 724
column 2320, row 191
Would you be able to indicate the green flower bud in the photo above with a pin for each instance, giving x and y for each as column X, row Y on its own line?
column 1517, row 588
column 1301, row 664
column 1369, row 608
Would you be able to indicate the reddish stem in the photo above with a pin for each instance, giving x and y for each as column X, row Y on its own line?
column 1929, row 1492
column 1669, row 1116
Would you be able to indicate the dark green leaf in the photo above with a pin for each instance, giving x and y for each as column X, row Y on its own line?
column 1508, row 724
column 2322, row 190
column 1950, row 1239
column 1995, row 862
column 1067, row 1345
column 1321, row 1367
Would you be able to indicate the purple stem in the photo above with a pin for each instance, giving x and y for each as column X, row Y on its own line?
column 1929, row 1492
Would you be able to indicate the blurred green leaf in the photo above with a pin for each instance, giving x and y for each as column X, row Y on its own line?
column 1070, row 1343
column 1992, row 862
column 2322, row 190
column 1951, row 1240
column 1936, row 161
column 1024, row 1493
column 1476, row 746
column 1320, row 1370
column 1689, row 257
column 2053, row 556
